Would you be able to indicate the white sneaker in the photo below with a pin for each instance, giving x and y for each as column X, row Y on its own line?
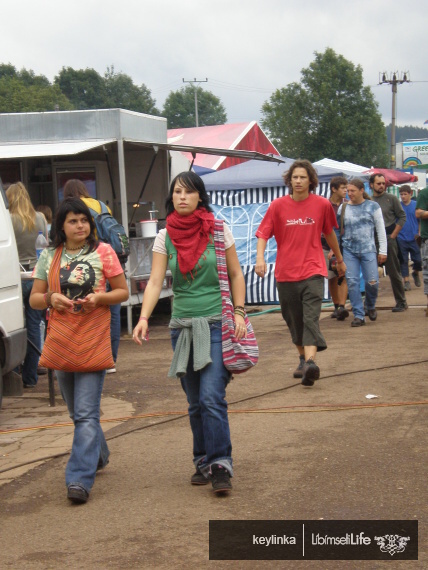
column 111, row 371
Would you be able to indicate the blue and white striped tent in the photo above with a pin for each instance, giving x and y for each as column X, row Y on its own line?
column 240, row 195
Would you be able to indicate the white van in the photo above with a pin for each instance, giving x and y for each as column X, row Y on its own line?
column 13, row 335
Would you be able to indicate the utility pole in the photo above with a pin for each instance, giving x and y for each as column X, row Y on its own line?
column 193, row 82
column 394, row 80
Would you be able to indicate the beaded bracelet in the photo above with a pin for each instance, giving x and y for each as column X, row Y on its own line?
column 239, row 307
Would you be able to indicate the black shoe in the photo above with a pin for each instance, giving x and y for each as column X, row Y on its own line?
column 102, row 465
column 334, row 314
column 198, row 478
column 358, row 322
column 407, row 286
column 220, row 479
column 372, row 314
column 77, row 494
column 342, row 313
column 400, row 308
column 29, row 385
column 298, row 373
column 311, row 372
column 416, row 278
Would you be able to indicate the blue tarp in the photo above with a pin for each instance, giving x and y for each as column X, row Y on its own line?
column 258, row 174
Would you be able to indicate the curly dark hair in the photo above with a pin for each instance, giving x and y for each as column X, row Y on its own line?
column 312, row 173
column 192, row 181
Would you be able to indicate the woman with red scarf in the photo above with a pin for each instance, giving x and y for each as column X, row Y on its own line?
column 187, row 246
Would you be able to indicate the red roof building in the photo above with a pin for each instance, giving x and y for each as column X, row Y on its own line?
column 237, row 136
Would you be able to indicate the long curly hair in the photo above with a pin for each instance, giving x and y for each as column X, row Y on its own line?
column 20, row 205
column 312, row 173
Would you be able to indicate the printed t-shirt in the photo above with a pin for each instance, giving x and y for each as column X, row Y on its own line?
column 297, row 228
column 84, row 274
column 196, row 295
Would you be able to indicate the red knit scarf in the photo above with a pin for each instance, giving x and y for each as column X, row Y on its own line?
column 190, row 236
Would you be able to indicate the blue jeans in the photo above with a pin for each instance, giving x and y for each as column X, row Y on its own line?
column 33, row 319
column 367, row 262
column 114, row 326
column 82, row 394
column 412, row 248
column 115, row 329
column 206, row 392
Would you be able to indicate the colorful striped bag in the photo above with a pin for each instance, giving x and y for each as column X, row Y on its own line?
column 76, row 342
column 238, row 355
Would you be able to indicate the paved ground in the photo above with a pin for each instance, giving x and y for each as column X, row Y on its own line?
column 326, row 452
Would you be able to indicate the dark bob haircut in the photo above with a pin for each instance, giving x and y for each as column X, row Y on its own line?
column 75, row 206
column 193, row 182
column 312, row 173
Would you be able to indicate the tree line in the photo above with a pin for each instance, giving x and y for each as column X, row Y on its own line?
column 329, row 113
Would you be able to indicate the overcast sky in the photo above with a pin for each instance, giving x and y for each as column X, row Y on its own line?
column 246, row 48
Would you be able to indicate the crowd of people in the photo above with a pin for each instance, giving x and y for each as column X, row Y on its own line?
column 340, row 239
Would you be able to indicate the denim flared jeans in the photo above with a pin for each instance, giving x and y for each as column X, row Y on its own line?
column 82, row 394
column 206, row 392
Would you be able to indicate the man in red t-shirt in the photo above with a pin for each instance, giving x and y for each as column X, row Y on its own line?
column 297, row 222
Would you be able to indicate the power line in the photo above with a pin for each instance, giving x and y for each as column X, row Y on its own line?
column 192, row 82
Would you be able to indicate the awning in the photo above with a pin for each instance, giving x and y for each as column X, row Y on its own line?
column 64, row 148
column 194, row 150
column 60, row 148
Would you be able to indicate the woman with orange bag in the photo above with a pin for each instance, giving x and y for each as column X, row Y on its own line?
column 70, row 279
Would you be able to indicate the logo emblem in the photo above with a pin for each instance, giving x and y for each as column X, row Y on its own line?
column 392, row 543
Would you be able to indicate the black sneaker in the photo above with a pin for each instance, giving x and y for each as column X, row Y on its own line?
column 220, row 479
column 342, row 313
column 77, row 494
column 334, row 314
column 400, row 308
column 372, row 314
column 358, row 322
column 298, row 373
column 198, row 478
column 416, row 278
column 311, row 372
column 407, row 286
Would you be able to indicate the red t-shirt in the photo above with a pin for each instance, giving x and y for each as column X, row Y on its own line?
column 297, row 228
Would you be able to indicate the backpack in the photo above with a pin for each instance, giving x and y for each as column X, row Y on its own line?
column 110, row 231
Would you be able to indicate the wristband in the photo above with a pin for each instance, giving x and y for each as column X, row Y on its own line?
column 338, row 262
column 239, row 307
column 143, row 319
column 47, row 298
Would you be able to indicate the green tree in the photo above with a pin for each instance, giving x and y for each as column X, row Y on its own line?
column 23, row 92
column 121, row 92
column 407, row 132
column 85, row 88
column 329, row 114
column 179, row 108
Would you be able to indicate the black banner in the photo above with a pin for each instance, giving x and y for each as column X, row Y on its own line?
column 314, row 540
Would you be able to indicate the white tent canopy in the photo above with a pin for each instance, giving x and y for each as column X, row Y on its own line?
column 349, row 169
